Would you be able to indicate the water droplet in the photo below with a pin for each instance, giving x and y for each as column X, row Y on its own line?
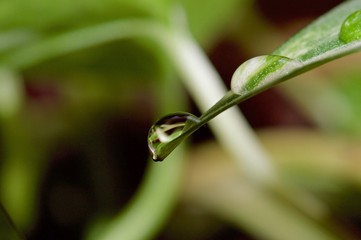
column 162, row 135
column 261, row 72
column 351, row 28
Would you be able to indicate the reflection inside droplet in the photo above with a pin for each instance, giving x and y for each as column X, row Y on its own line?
column 163, row 133
column 351, row 28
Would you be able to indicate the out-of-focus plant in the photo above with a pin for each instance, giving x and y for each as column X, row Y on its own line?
column 103, row 56
column 85, row 44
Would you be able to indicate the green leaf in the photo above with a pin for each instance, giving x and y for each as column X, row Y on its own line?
column 335, row 34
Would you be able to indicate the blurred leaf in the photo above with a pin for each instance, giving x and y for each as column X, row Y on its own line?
column 350, row 90
column 117, row 61
column 214, row 184
column 314, row 159
column 8, row 229
column 205, row 23
column 61, row 15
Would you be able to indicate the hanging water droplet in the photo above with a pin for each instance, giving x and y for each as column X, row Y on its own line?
column 261, row 72
column 351, row 28
column 162, row 134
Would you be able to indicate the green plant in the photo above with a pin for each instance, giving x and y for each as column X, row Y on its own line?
column 334, row 35
column 156, row 34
